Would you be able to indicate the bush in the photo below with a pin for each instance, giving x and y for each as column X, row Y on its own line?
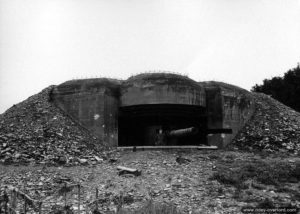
column 286, row 89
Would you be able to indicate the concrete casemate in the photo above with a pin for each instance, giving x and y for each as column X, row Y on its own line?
column 143, row 109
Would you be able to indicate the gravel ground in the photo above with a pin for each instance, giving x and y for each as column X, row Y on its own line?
column 188, row 185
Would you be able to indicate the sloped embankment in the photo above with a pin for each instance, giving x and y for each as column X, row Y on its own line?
column 273, row 127
column 37, row 131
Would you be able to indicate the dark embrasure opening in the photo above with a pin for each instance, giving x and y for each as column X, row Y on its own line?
column 162, row 125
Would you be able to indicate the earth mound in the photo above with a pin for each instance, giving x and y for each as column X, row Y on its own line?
column 273, row 127
column 37, row 131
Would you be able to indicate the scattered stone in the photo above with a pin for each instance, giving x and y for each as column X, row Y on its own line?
column 61, row 160
column 83, row 161
column 182, row 160
column 125, row 170
column 97, row 158
column 113, row 160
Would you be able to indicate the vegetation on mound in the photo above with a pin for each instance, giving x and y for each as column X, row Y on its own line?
column 285, row 89
column 162, row 78
column 72, row 86
column 226, row 86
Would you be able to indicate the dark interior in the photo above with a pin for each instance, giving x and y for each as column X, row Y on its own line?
column 140, row 125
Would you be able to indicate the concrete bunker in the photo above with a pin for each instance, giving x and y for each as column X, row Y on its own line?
column 156, row 109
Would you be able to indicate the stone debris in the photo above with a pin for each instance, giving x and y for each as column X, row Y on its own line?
column 274, row 127
column 182, row 160
column 37, row 184
column 36, row 131
column 125, row 170
column 113, row 160
column 188, row 186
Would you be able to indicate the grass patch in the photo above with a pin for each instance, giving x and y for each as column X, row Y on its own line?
column 269, row 172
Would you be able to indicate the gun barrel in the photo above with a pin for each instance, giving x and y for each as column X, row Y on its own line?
column 183, row 132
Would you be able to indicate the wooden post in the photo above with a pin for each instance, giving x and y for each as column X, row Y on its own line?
column 65, row 195
column 25, row 206
column 79, row 198
column 25, row 202
column 5, row 200
column 97, row 195
column 120, row 202
column 14, row 199
column 40, row 207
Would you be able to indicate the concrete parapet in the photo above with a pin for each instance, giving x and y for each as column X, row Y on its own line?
column 161, row 88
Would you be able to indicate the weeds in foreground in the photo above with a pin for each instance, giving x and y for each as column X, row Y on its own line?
column 153, row 208
column 258, row 174
column 265, row 172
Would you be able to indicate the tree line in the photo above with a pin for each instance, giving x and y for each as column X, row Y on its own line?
column 285, row 89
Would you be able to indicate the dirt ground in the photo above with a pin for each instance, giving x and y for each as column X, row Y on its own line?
column 192, row 180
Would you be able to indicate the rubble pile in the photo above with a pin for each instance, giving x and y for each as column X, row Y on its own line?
column 36, row 131
column 274, row 127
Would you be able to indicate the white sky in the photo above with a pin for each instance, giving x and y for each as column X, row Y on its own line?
column 241, row 42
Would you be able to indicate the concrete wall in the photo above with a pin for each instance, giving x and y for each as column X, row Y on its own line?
column 93, row 103
column 228, row 107
column 214, row 108
column 238, row 108
column 161, row 89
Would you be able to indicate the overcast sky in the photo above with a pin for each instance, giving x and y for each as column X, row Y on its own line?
column 241, row 42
